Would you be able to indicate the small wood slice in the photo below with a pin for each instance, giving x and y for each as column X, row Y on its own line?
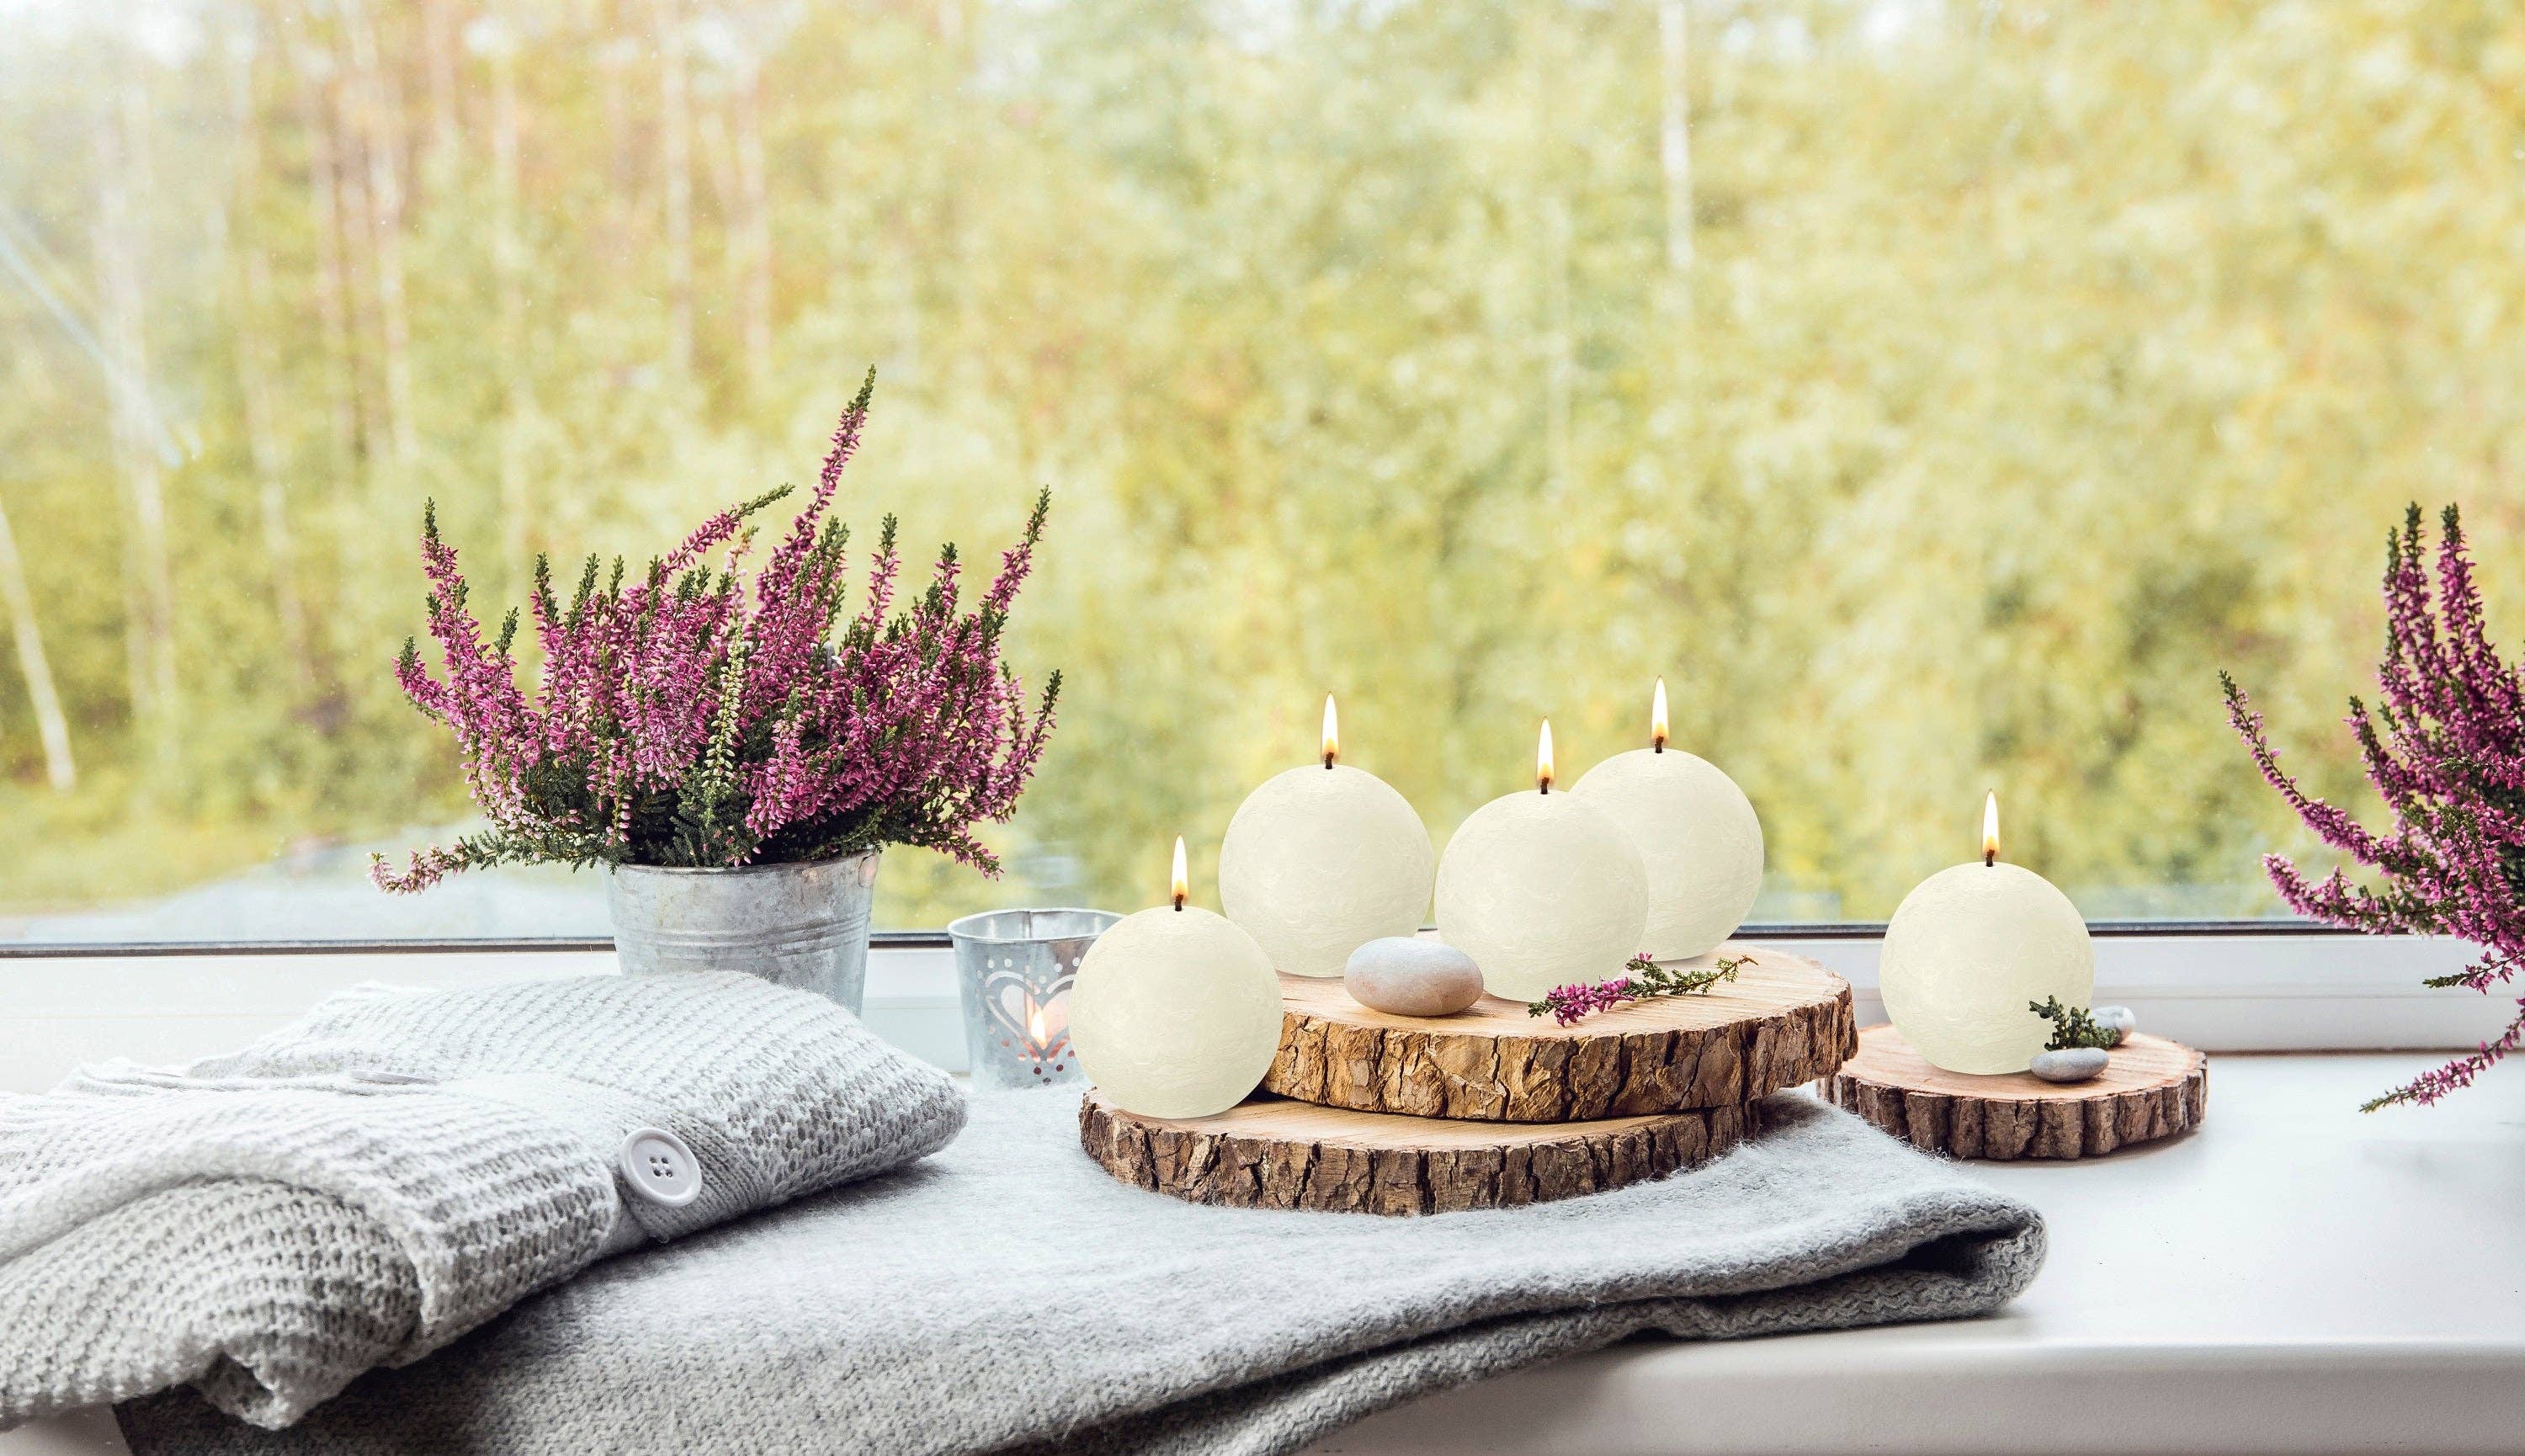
column 2151, row 1088
column 1271, row 1153
column 1783, row 1022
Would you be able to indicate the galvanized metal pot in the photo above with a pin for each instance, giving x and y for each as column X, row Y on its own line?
column 802, row 925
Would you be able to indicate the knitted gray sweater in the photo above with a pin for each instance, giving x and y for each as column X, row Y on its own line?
column 373, row 1181
column 1007, row 1296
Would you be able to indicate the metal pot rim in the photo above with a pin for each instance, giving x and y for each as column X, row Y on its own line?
column 772, row 868
column 954, row 927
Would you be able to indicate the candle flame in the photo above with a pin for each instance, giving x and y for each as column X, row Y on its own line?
column 1182, row 887
column 1034, row 1026
column 1990, row 830
column 1543, row 758
column 1332, row 731
column 1658, row 732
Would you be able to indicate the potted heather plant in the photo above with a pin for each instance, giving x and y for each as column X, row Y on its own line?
column 734, row 754
column 2445, row 747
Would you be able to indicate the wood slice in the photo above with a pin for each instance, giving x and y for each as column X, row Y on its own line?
column 1783, row 1022
column 2151, row 1088
column 1272, row 1153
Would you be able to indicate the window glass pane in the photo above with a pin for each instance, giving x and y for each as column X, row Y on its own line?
column 1937, row 395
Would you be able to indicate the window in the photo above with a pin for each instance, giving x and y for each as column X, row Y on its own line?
column 1937, row 395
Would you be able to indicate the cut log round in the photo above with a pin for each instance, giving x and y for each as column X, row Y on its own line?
column 2152, row 1089
column 1783, row 1022
column 1273, row 1153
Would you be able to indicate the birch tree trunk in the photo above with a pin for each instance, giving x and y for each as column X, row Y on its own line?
column 124, row 187
column 51, row 727
column 255, row 370
column 380, row 114
column 715, row 145
column 1561, row 362
column 446, row 126
column 1674, row 136
column 675, row 159
column 622, row 159
column 332, row 305
column 359, row 270
column 1547, row 202
column 753, row 219
column 509, row 262
column 715, row 151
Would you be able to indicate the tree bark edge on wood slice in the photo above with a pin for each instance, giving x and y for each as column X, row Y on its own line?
column 2152, row 1089
column 1784, row 1021
column 1273, row 1153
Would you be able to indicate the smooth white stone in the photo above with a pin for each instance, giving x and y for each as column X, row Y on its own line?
column 1964, row 953
column 2118, row 1020
column 1542, row 890
column 1175, row 1013
column 1409, row 977
column 2073, row 1064
column 1319, row 860
column 1700, row 837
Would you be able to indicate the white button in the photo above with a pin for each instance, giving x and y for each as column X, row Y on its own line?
column 660, row 1168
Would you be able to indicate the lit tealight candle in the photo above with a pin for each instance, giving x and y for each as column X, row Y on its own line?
column 1697, row 832
column 1322, row 860
column 1970, row 948
column 1175, row 1012
column 1542, row 890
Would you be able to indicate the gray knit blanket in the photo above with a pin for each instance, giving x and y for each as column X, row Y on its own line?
column 385, row 1174
column 1009, row 1296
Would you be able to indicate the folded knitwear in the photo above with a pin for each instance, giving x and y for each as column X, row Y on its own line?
column 1009, row 1296
column 373, row 1181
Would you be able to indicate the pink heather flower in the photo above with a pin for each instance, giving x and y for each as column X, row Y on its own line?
column 1572, row 1004
column 681, row 718
column 2445, row 747
column 427, row 868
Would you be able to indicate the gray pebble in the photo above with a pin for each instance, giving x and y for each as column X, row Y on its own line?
column 2076, row 1064
column 1410, row 976
column 2116, row 1019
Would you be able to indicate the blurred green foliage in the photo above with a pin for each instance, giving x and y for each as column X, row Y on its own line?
column 2000, row 372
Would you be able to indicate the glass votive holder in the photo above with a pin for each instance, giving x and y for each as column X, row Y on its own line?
column 1014, row 970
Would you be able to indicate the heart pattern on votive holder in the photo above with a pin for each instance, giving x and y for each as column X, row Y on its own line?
column 1010, row 1000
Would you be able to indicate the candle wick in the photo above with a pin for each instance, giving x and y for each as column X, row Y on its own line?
column 1658, row 744
column 1989, row 857
column 1328, row 760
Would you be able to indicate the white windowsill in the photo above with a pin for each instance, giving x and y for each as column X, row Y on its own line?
column 2294, row 1276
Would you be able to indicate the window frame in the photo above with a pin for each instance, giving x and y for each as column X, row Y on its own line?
column 938, row 940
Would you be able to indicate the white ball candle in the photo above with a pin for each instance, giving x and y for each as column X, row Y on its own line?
column 1175, row 1012
column 1322, row 860
column 1696, row 830
column 1970, row 948
column 1542, row 890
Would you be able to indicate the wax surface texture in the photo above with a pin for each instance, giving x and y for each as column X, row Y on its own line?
column 1542, row 890
column 1699, row 834
column 1175, row 1013
column 1964, row 953
column 1318, row 862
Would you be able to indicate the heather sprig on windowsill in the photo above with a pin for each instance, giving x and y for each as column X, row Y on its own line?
column 691, row 717
column 2445, row 745
column 1570, row 1004
column 2072, row 1027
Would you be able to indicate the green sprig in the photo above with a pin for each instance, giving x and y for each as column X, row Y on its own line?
column 2072, row 1027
